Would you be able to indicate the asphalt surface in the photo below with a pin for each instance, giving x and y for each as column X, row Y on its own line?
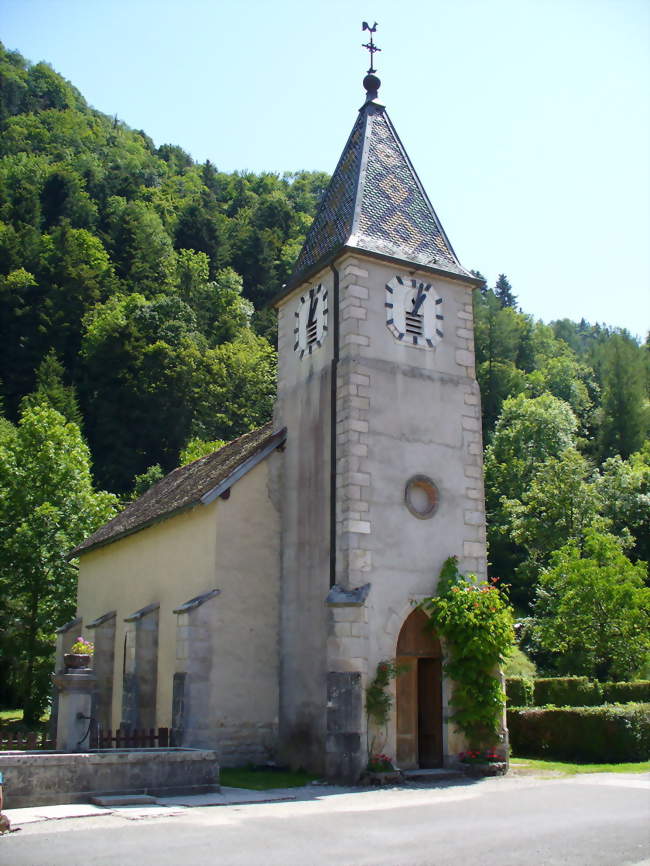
column 588, row 819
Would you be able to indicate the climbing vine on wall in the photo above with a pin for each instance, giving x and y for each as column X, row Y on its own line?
column 476, row 622
column 379, row 699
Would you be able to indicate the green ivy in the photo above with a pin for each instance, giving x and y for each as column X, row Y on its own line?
column 476, row 622
column 378, row 699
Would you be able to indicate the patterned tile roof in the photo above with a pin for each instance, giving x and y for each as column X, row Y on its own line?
column 376, row 203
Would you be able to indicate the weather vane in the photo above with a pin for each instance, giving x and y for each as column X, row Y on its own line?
column 372, row 48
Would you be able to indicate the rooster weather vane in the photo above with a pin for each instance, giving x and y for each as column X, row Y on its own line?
column 372, row 48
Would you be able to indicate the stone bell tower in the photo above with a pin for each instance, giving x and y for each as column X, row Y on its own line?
column 383, row 462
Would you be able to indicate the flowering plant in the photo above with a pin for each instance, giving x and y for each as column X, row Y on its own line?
column 380, row 764
column 476, row 621
column 82, row 647
column 479, row 756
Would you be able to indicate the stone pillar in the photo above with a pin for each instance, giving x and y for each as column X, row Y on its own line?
column 66, row 635
column 503, row 749
column 140, row 679
column 191, row 725
column 75, row 691
column 347, row 658
column 103, row 636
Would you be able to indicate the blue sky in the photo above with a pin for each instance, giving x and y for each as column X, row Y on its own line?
column 528, row 122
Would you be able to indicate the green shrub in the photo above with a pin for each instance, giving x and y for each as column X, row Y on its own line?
column 611, row 734
column 519, row 691
column 623, row 693
column 567, row 692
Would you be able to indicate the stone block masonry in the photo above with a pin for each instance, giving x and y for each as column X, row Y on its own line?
column 102, row 630
column 45, row 779
column 474, row 555
column 140, row 673
column 353, row 409
column 202, row 714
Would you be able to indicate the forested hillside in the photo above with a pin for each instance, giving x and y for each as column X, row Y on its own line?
column 133, row 292
column 138, row 272
column 565, row 423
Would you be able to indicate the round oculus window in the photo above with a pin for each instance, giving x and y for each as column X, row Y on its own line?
column 421, row 496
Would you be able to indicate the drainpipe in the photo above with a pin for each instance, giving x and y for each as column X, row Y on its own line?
column 333, row 395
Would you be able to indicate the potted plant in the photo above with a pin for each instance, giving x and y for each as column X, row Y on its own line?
column 482, row 762
column 381, row 771
column 80, row 654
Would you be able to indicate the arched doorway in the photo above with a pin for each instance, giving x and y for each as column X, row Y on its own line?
column 419, row 695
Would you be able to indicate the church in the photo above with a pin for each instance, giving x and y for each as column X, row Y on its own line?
column 246, row 599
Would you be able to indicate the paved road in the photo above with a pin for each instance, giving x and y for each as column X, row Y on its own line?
column 599, row 820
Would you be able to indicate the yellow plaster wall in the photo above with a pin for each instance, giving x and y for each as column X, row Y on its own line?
column 232, row 545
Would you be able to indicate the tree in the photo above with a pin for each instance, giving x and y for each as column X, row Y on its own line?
column 221, row 311
column 78, row 274
column 202, row 227
column 139, row 245
column 497, row 335
column 566, row 378
column 142, row 483
column 625, row 493
column 592, row 611
column 197, row 448
column 235, row 387
column 47, row 507
column 625, row 409
column 50, row 390
column 560, row 504
column 18, row 351
column 529, row 432
column 503, row 291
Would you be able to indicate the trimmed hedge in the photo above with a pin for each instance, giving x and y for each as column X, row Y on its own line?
column 609, row 734
column 567, row 692
column 573, row 692
column 519, row 691
column 623, row 693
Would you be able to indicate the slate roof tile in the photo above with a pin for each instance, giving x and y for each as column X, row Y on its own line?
column 376, row 203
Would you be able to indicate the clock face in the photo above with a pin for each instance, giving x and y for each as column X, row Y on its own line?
column 414, row 311
column 311, row 321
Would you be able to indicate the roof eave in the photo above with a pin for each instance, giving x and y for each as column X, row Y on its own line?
column 335, row 253
column 275, row 441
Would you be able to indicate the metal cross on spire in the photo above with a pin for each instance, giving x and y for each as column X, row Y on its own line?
column 372, row 48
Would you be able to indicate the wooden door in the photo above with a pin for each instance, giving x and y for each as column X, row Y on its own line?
column 418, row 696
column 429, row 713
column 406, row 746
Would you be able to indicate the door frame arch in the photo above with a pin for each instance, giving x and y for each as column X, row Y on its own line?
column 420, row 732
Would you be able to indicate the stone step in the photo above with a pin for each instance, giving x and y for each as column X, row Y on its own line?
column 123, row 800
column 437, row 774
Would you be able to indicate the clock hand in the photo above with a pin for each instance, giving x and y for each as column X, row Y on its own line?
column 417, row 302
column 312, row 310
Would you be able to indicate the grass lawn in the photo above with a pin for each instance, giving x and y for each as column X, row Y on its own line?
column 10, row 716
column 262, row 779
column 571, row 769
column 14, row 719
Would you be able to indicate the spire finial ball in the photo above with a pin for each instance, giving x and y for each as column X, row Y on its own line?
column 371, row 83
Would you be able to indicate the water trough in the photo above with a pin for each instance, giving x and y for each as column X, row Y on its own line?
column 47, row 778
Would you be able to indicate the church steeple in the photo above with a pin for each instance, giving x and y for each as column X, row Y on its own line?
column 375, row 202
column 382, row 471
